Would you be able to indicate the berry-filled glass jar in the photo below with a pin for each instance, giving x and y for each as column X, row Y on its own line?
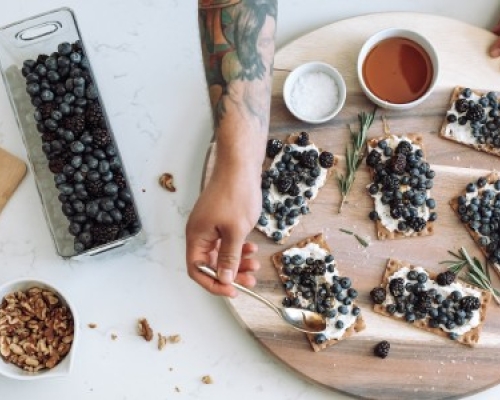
column 73, row 155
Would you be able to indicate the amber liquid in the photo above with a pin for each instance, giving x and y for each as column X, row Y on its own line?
column 398, row 70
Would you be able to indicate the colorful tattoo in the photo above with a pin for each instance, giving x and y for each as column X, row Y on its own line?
column 237, row 38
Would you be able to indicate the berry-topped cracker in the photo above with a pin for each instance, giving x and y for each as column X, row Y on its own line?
column 473, row 120
column 298, row 171
column 478, row 208
column 400, row 186
column 436, row 303
column 312, row 281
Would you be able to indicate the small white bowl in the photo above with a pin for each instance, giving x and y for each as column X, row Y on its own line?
column 65, row 365
column 392, row 33
column 304, row 75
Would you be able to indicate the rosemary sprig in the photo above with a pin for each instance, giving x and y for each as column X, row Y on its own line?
column 354, row 154
column 475, row 274
column 361, row 241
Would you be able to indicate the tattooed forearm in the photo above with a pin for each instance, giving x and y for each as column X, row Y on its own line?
column 237, row 38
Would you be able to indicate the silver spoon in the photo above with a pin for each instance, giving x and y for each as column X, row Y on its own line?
column 303, row 320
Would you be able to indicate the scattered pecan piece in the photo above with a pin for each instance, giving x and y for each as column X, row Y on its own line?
column 162, row 341
column 145, row 330
column 166, row 181
column 207, row 380
column 174, row 338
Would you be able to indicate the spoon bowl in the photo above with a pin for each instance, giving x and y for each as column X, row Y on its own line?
column 302, row 320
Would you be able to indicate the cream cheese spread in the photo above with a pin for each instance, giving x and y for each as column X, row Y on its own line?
column 445, row 291
column 313, row 250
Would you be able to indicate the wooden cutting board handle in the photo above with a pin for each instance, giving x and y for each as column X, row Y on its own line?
column 12, row 172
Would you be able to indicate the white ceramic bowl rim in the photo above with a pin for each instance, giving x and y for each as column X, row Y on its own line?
column 64, row 367
column 407, row 34
column 312, row 66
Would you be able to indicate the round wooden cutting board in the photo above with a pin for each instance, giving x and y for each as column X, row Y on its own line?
column 420, row 365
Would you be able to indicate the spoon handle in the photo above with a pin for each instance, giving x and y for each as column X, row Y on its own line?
column 210, row 272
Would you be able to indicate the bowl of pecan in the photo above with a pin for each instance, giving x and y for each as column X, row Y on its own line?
column 38, row 327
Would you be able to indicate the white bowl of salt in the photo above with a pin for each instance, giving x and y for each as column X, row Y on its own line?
column 314, row 92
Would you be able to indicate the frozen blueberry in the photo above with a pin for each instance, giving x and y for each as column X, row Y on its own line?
column 47, row 95
column 77, row 147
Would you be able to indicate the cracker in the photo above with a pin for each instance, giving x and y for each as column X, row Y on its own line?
column 358, row 324
column 491, row 178
column 382, row 232
column 291, row 139
column 447, row 132
column 469, row 338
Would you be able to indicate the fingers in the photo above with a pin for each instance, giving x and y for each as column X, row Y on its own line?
column 496, row 29
column 229, row 257
column 495, row 48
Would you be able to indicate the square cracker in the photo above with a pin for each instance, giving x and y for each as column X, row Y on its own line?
column 491, row 178
column 358, row 324
column 382, row 231
column 487, row 148
column 469, row 338
column 291, row 139
column 12, row 172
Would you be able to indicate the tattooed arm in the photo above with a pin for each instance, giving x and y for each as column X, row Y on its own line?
column 237, row 40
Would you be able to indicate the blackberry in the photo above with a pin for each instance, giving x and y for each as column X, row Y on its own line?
column 470, row 303
column 326, row 159
column 103, row 234
column 404, row 147
column 284, row 183
column 273, row 147
column 309, row 159
column 46, row 110
column 390, row 183
column 445, row 278
column 129, row 215
column 303, row 139
column 294, row 190
column 475, row 113
column 373, row 158
column 417, row 223
column 120, row 180
column 378, row 295
column 56, row 165
column 49, row 136
column 398, row 163
column 461, row 105
column 397, row 211
column 423, row 302
column 397, row 287
column 95, row 188
column 382, row 349
column 101, row 137
column 94, row 115
column 76, row 123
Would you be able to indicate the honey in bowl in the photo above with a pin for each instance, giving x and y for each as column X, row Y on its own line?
column 398, row 70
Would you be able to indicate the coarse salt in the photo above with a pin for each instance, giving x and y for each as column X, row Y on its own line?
column 314, row 95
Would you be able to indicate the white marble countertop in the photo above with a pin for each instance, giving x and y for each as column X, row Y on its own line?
column 145, row 54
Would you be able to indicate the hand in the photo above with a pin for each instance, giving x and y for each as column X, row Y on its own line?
column 225, row 213
column 495, row 47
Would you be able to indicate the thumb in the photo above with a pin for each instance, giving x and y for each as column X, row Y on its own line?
column 495, row 49
column 229, row 257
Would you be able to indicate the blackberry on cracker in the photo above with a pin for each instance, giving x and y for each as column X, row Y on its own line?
column 445, row 278
column 303, row 139
column 470, row 303
column 378, row 295
column 397, row 287
column 273, row 147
